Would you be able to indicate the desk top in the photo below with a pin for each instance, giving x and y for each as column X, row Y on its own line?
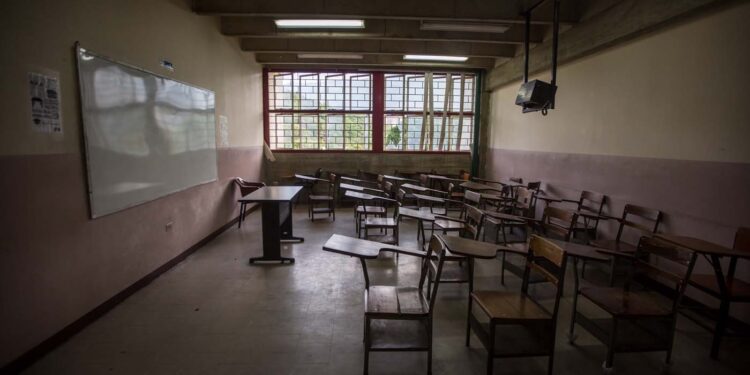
column 352, row 179
column 364, row 249
column 430, row 198
column 471, row 248
column 359, row 195
column 580, row 251
column 422, row 188
column 272, row 194
column 471, row 185
column 444, row 178
column 397, row 178
column 416, row 214
column 702, row 246
column 508, row 217
column 308, row 178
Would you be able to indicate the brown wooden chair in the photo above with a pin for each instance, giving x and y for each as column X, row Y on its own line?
column 246, row 187
column 399, row 318
column 328, row 199
column 522, row 206
column 589, row 206
column 555, row 223
column 383, row 224
column 639, row 319
column 456, row 269
column 635, row 222
column 519, row 324
column 736, row 289
column 455, row 191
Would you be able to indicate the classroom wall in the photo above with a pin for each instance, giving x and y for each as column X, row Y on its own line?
column 661, row 121
column 56, row 264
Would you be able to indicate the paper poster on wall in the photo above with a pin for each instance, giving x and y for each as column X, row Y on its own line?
column 223, row 131
column 44, row 92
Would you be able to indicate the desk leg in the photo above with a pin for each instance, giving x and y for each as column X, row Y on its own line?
column 576, row 283
column 721, row 322
column 286, row 228
column 471, row 289
column 271, row 235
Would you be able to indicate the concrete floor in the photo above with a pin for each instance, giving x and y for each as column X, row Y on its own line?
column 215, row 314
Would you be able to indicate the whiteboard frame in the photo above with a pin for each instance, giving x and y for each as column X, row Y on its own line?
column 89, row 191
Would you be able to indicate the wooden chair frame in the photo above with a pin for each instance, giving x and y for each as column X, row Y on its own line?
column 246, row 187
column 329, row 199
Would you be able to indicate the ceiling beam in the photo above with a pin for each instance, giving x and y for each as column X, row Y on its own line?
column 374, row 29
column 624, row 20
column 389, row 47
column 457, row 10
column 395, row 61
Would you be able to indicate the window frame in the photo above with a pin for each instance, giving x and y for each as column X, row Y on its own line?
column 377, row 110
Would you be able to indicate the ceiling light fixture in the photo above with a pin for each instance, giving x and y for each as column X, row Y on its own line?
column 472, row 27
column 435, row 58
column 319, row 24
column 343, row 56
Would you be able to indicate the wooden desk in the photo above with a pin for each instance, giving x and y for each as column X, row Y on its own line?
column 276, row 207
column 358, row 188
column 712, row 253
column 420, row 215
column 471, row 185
column 357, row 180
column 364, row 249
column 308, row 179
column 423, row 189
column 398, row 178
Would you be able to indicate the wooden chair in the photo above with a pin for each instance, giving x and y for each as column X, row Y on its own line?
column 456, row 269
column 246, row 187
column 464, row 175
column 639, row 319
column 736, row 289
column 383, row 224
column 517, row 324
column 590, row 203
column 555, row 223
column 455, row 192
column 640, row 220
column 328, row 199
column 399, row 318
column 364, row 209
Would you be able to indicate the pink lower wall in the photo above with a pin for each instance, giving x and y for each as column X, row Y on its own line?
column 703, row 199
column 56, row 264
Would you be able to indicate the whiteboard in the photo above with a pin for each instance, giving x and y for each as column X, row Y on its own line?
column 146, row 136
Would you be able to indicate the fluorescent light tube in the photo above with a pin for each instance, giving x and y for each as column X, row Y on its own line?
column 321, row 24
column 472, row 27
column 345, row 56
column 436, row 58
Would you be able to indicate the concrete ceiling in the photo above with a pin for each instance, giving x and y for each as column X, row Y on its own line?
column 392, row 29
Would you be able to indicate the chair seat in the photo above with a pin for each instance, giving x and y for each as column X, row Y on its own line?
column 506, row 219
column 321, row 198
column 738, row 289
column 399, row 335
column 371, row 209
column 623, row 304
column 449, row 224
column 380, row 222
column 509, row 307
column 391, row 301
column 434, row 210
column 620, row 246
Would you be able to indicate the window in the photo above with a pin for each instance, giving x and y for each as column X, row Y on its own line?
column 428, row 112
column 369, row 111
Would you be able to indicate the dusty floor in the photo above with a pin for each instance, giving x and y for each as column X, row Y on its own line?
column 215, row 314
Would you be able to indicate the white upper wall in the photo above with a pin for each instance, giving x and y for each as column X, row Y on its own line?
column 680, row 93
column 39, row 35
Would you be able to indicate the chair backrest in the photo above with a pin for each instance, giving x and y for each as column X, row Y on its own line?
column 400, row 195
column 549, row 260
column 558, row 222
column 464, row 175
column 642, row 219
column 332, row 177
column 472, row 198
column 423, row 180
column 318, row 173
column 591, row 202
column 436, row 250
column 388, row 188
column 525, row 202
column 474, row 221
column 651, row 259
column 517, row 180
column 247, row 187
